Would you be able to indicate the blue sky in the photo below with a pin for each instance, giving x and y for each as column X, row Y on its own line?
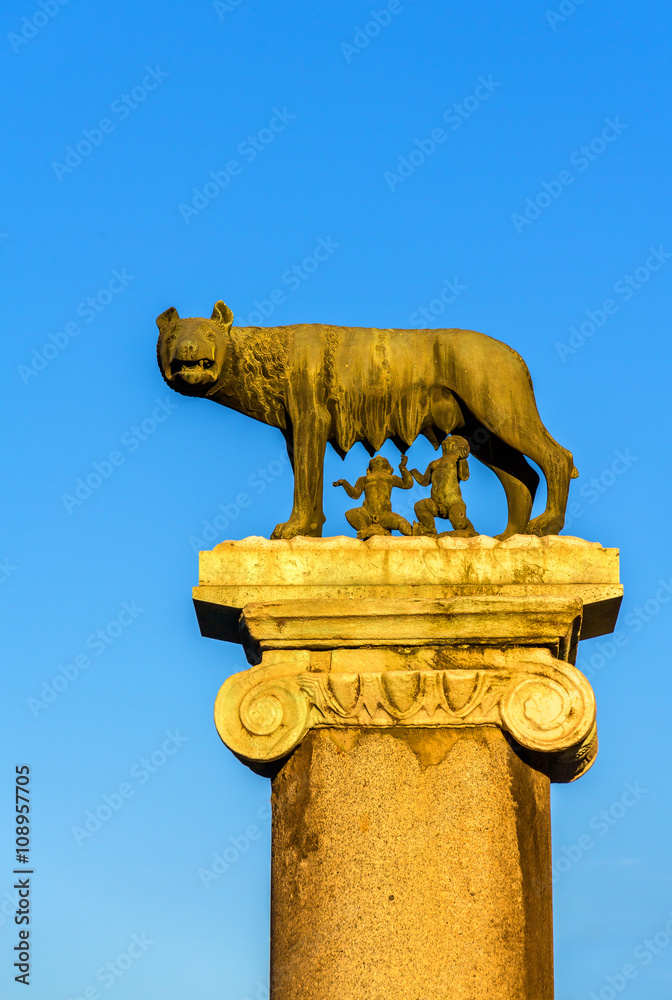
column 543, row 196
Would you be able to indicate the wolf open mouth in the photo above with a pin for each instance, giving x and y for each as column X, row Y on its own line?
column 195, row 366
column 195, row 370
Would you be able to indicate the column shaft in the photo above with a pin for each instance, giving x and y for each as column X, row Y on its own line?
column 410, row 865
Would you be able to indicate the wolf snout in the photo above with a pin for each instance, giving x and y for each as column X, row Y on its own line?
column 189, row 350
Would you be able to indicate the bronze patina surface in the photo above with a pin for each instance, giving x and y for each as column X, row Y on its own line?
column 329, row 384
column 445, row 475
column 375, row 516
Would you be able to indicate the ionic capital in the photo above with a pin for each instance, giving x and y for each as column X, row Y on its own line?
column 546, row 705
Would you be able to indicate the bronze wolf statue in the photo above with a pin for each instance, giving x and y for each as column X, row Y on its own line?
column 321, row 384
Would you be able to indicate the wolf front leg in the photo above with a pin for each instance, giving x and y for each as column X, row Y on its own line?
column 310, row 432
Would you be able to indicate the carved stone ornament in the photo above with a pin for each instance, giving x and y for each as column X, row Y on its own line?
column 545, row 704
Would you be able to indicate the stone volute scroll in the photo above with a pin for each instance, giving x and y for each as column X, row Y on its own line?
column 545, row 705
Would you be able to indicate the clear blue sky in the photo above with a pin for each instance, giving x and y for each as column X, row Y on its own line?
column 116, row 116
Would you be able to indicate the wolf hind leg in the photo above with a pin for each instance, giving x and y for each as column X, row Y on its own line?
column 519, row 479
column 502, row 399
column 531, row 439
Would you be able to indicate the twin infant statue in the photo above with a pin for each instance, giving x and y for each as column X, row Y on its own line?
column 376, row 517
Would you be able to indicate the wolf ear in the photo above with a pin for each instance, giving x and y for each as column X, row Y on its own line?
column 222, row 314
column 166, row 319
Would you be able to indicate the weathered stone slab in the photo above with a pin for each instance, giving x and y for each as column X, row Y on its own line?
column 400, row 561
column 255, row 570
column 341, row 622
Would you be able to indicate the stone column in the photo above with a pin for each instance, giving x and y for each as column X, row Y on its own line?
column 411, row 864
column 412, row 700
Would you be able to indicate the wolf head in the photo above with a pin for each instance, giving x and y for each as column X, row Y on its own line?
column 191, row 352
